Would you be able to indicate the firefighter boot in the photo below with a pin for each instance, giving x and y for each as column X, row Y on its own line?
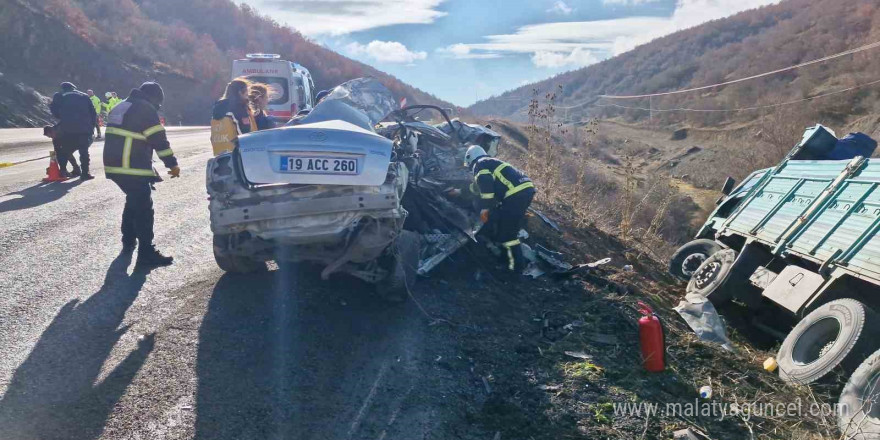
column 149, row 257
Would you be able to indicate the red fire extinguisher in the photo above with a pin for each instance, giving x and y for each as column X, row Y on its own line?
column 651, row 339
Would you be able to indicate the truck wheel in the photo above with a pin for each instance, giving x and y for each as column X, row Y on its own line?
column 233, row 263
column 836, row 335
column 710, row 279
column 404, row 267
column 689, row 257
column 859, row 403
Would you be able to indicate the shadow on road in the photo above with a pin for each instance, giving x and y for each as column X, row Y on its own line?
column 55, row 393
column 285, row 355
column 37, row 195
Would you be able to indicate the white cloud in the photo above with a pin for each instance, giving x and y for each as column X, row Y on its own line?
column 577, row 58
column 628, row 2
column 561, row 8
column 386, row 52
column 340, row 17
column 564, row 44
column 463, row 52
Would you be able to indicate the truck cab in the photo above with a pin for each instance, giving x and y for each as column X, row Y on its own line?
column 290, row 85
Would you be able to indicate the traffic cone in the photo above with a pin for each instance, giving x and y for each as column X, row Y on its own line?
column 53, row 173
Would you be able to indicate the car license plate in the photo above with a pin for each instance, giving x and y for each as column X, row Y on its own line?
column 319, row 165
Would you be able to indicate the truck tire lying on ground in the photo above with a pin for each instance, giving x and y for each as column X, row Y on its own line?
column 837, row 335
column 689, row 257
column 233, row 263
column 404, row 267
column 859, row 403
column 711, row 278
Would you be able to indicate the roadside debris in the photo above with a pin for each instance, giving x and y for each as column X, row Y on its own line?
column 579, row 355
column 684, row 434
column 706, row 392
column 704, row 320
column 770, row 364
column 545, row 219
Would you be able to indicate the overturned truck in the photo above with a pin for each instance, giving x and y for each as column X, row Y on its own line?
column 348, row 191
column 801, row 239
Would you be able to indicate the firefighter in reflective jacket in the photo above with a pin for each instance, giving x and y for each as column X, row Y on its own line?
column 133, row 132
column 505, row 193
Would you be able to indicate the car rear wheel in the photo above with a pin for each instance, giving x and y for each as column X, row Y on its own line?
column 859, row 403
column 835, row 336
column 688, row 258
column 710, row 280
column 233, row 263
column 404, row 267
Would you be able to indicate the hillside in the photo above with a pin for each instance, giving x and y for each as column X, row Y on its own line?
column 117, row 44
column 745, row 44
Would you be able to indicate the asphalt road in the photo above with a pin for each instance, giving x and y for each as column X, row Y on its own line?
column 91, row 349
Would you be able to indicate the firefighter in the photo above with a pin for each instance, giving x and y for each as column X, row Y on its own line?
column 77, row 121
column 505, row 194
column 96, row 102
column 133, row 133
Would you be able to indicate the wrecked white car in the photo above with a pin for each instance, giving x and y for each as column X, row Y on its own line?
column 335, row 191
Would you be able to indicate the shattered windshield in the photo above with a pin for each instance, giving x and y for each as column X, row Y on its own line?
column 362, row 101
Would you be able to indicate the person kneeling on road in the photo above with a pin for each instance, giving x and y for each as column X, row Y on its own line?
column 133, row 132
column 505, row 193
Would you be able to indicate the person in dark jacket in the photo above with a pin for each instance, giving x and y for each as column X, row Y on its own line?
column 234, row 103
column 133, row 133
column 504, row 193
column 77, row 121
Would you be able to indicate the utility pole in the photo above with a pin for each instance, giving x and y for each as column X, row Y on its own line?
column 651, row 109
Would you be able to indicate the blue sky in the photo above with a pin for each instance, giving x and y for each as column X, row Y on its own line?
column 465, row 50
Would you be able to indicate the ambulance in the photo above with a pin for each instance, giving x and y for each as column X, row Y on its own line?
column 291, row 88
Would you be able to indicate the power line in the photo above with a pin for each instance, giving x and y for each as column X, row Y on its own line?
column 786, row 69
column 742, row 109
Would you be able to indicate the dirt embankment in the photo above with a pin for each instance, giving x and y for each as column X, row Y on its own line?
column 38, row 52
column 559, row 358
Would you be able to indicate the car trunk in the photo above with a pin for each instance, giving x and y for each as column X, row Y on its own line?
column 331, row 152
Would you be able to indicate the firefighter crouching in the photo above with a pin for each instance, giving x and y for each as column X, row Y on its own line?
column 505, row 194
column 133, row 132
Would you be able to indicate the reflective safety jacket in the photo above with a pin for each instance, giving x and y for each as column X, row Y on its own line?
column 96, row 102
column 133, row 133
column 496, row 180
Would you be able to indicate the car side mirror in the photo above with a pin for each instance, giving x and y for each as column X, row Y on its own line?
column 727, row 188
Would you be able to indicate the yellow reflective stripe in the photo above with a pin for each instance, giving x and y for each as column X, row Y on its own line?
column 512, row 263
column 474, row 188
column 481, row 172
column 129, row 171
column 126, row 153
column 487, row 196
column 511, row 243
column 519, row 188
column 165, row 153
column 499, row 176
column 153, row 130
column 125, row 133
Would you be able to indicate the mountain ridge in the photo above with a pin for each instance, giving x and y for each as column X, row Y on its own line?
column 117, row 44
column 745, row 44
